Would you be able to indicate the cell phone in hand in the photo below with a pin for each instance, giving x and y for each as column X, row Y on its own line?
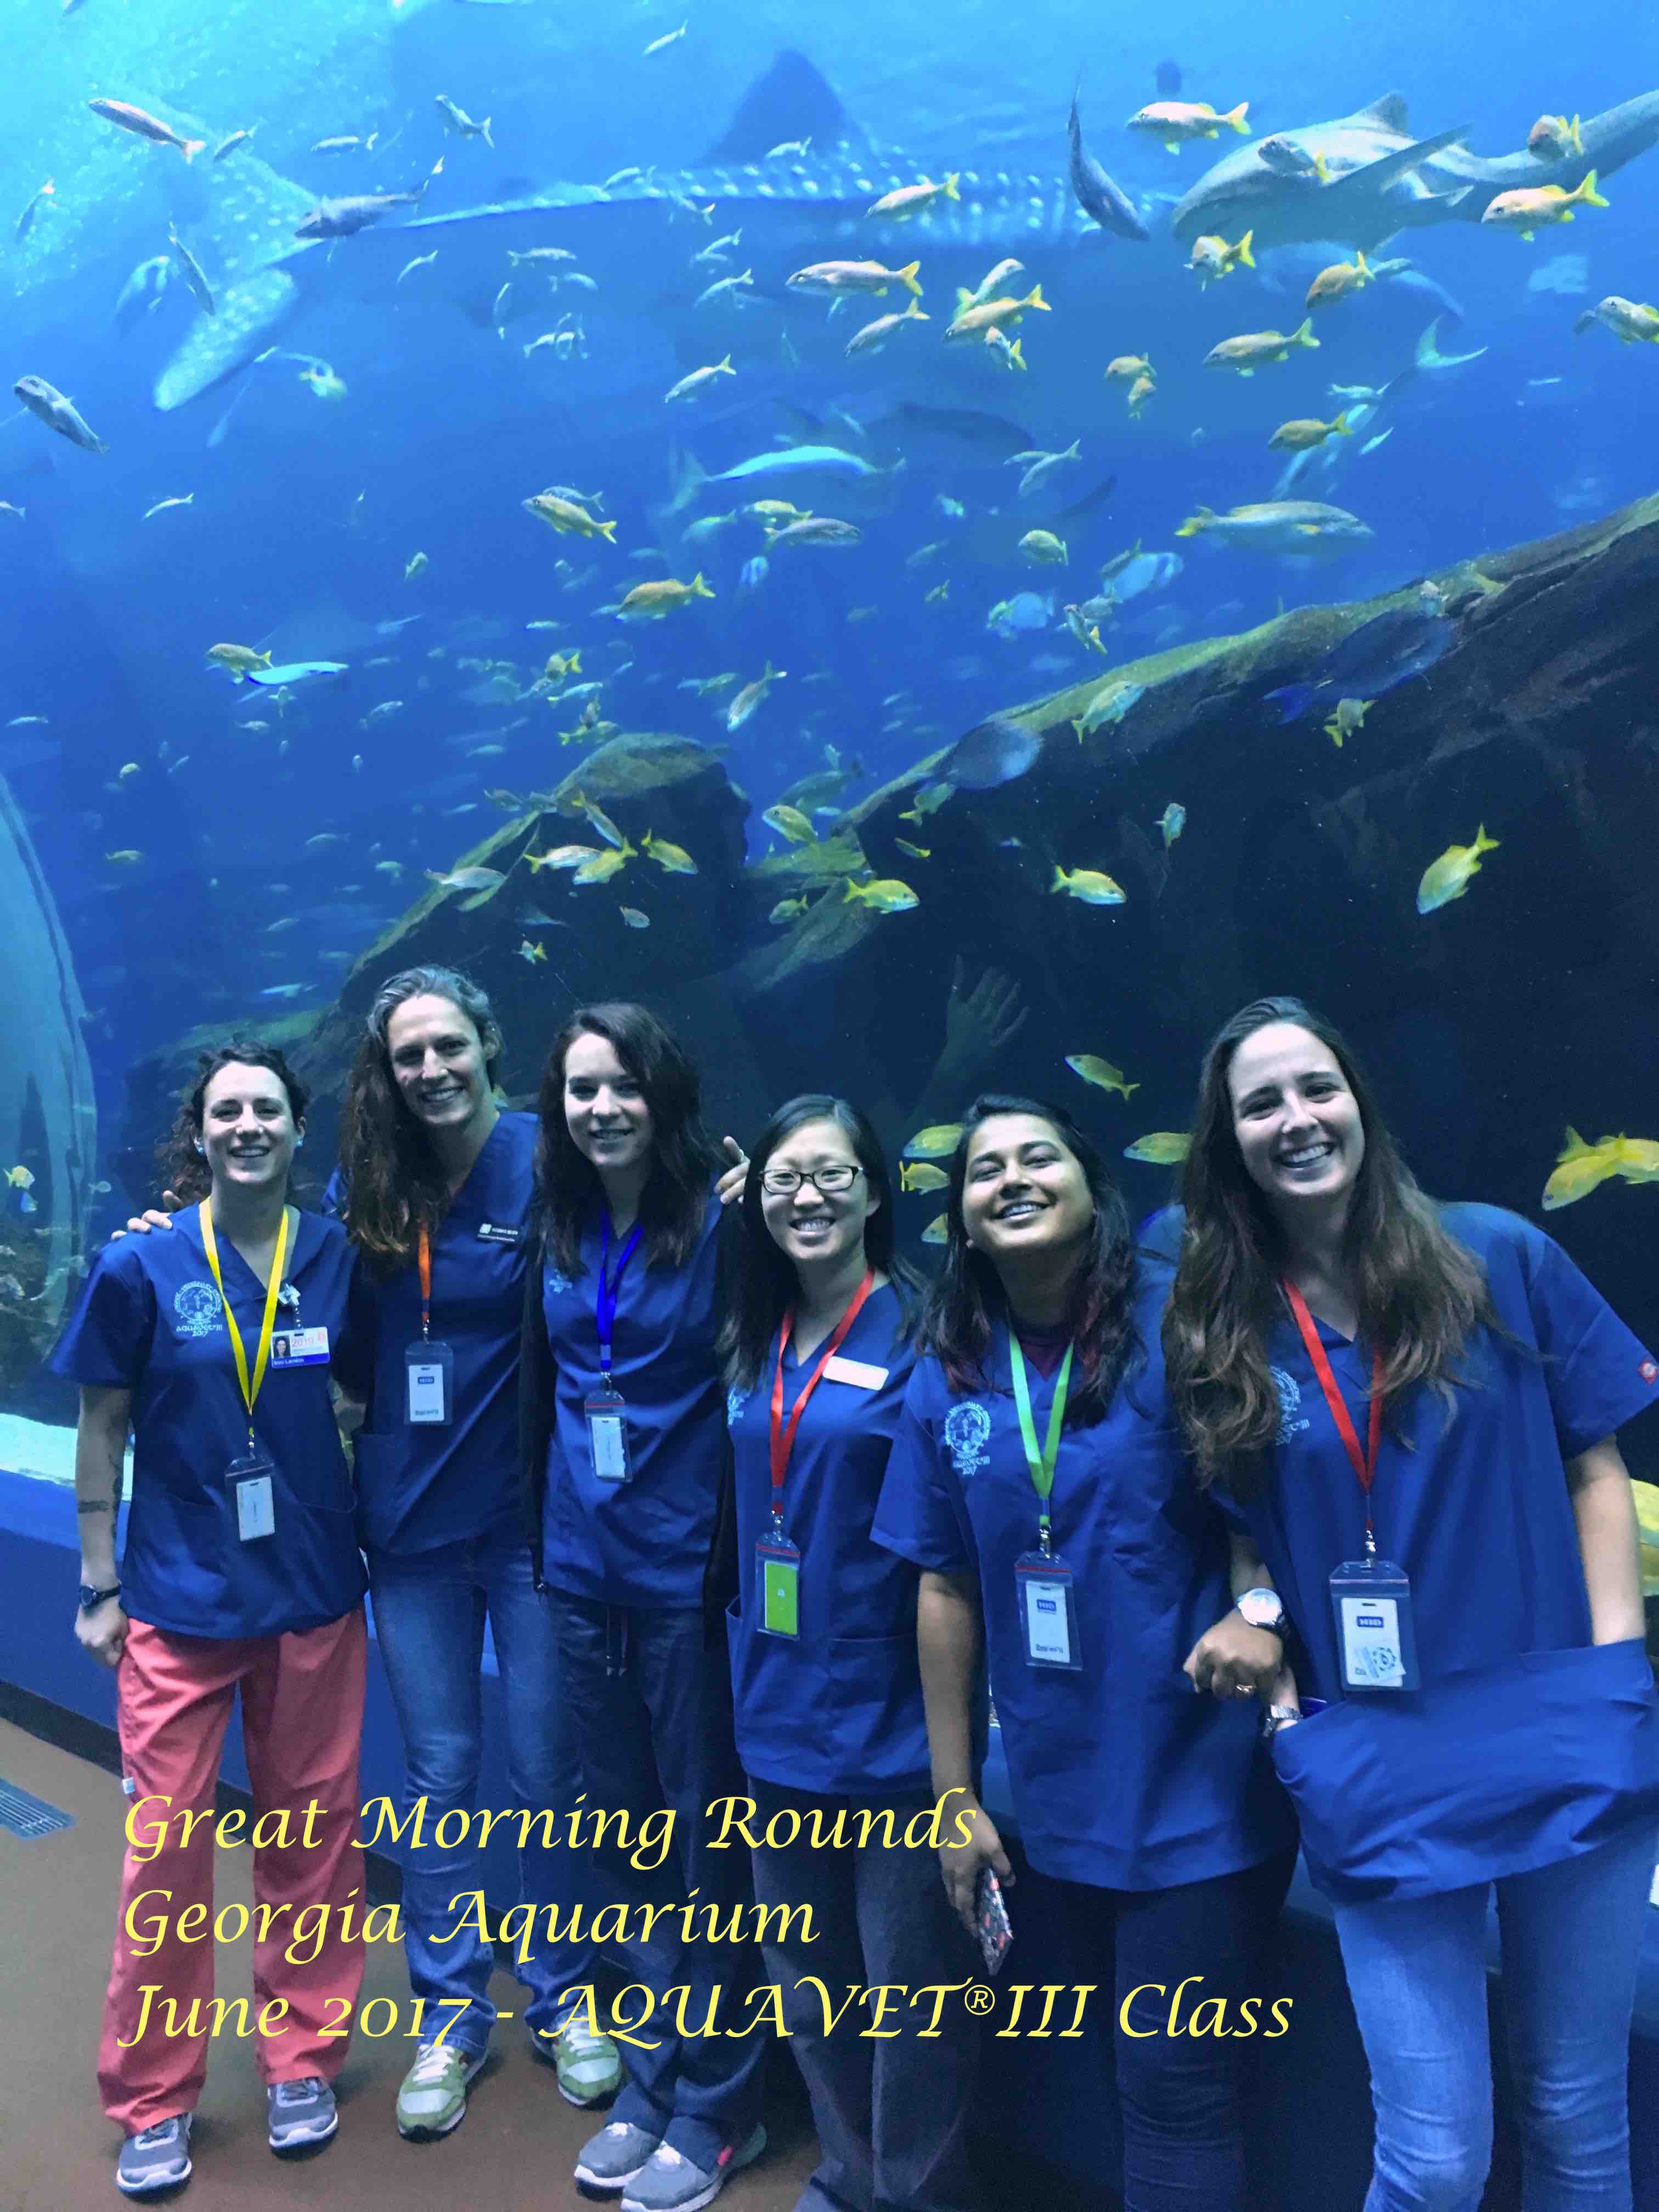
column 991, row 1921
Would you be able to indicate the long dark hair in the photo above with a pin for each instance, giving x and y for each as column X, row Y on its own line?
column 1420, row 1293
column 394, row 1184
column 684, row 1158
column 184, row 1170
column 763, row 1285
column 957, row 1324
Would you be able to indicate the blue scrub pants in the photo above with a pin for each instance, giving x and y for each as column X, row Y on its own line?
column 1183, row 2138
column 1572, row 1936
column 892, row 2113
column 430, row 1611
column 649, row 1693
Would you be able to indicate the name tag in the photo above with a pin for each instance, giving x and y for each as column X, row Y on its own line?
column 498, row 1232
column 1047, row 1611
column 1372, row 1602
column 607, row 1435
column 250, row 1480
column 857, row 1372
column 300, row 1347
column 429, row 1380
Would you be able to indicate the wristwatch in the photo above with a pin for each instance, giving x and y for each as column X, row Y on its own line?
column 90, row 1598
column 1277, row 1716
column 1263, row 1608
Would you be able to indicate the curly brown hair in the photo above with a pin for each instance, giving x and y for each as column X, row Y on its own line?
column 1420, row 1293
column 184, row 1170
column 394, row 1183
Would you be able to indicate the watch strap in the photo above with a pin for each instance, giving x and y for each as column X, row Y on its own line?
column 89, row 1598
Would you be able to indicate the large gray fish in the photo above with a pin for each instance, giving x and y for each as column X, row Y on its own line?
column 1381, row 181
column 58, row 413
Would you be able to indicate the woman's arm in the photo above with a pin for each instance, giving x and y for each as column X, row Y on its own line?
column 1609, row 1542
column 947, row 1647
column 1232, row 1659
column 100, row 1443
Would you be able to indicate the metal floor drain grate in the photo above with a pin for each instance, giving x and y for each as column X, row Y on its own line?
column 21, row 1815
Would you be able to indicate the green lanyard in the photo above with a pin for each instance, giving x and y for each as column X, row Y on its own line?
column 1041, row 1464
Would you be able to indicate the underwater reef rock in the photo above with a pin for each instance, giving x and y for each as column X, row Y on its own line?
column 1530, row 1002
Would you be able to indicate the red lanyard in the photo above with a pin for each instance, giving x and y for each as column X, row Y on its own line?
column 423, row 1260
column 1365, row 1469
column 783, row 1438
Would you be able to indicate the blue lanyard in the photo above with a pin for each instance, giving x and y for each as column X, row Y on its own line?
column 604, row 1314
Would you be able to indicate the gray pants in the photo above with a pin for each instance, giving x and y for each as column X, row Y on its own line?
column 892, row 2114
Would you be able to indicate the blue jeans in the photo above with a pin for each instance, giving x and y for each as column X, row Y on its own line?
column 1417, row 1971
column 649, row 1690
column 430, row 1611
column 892, row 2112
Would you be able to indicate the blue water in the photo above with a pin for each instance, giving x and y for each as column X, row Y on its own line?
column 304, row 510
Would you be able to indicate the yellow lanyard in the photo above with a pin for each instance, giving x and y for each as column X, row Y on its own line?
column 250, row 1391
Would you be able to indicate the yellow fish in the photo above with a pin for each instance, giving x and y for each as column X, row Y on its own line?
column 1088, row 886
column 1042, row 547
column 938, row 1231
column 1532, row 205
column 911, row 199
column 674, row 857
column 1100, row 1073
column 529, row 951
column 561, row 665
column 887, row 894
column 20, row 1179
column 1552, row 138
column 917, row 1175
column 1336, row 282
column 1349, row 716
column 787, row 909
column 560, row 856
column 566, row 517
column 604, row 865
column 1579, row 1168
column 1213, row 258
column 934, row 1142
column 990, row 315
column 1127, row 367
column 651, row 602
column 790, row 823
column 1647, row 1518
column 1172, row 120
column 916, row 852
column 1305, row 432
column 1247, row 353
column 238, row 658
column 1447, row 878
column 1160, row 1148
column 1143, row 389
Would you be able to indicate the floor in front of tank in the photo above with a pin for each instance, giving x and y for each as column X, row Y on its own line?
column 513, row 2153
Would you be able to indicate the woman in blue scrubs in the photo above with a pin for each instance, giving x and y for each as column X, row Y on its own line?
column 1039, row 1482
column 828, row 1691
column 239, row 1578
column 627, row 1467
column 435, row 1186
column 1413, row 1407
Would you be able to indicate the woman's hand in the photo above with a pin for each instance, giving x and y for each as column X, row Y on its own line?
column 1233, row 1660
column 979, row 1021
column 733, row 1178
column 959, row 1863
column 103, row 1632
column 152, row 1217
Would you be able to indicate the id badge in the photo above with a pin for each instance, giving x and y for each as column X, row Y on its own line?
column 250, row 1479
column 1047, row 1611
column 1373, row 1601
column 429, row 1384
column 300, row 1347
column 606, row 1415
column 777, row 1587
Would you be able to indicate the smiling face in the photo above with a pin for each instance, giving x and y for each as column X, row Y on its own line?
column 813, row 1227
column 1296, row 1122
column 604, row 1109
column 437, row 1062
column 248, row 1130
column 1025, row 1195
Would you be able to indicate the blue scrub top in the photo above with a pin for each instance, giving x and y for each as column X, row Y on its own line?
column 1524, row 1746
column 839, row 1708
column 1123, row 1775
column 645, row 1541
column 421, row 1488
column 150, row 1321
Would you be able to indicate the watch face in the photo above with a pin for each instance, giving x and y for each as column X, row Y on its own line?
column 1262, row 1608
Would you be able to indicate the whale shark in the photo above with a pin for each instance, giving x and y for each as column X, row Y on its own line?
column 1381, row 180
column 794, row 207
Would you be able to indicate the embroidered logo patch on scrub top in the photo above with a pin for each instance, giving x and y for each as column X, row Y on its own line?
column 736, row 1399
column 1291, row 1416
column 557, row 1282
column 967, row 1427
column 199, row 1310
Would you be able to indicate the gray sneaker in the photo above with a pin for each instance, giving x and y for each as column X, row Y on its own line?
column 300, row 2113
column 608, row 2162
column 155, row 2158
column 672, row 2182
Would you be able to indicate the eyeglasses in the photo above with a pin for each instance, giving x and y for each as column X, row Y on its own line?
column 829, row 1183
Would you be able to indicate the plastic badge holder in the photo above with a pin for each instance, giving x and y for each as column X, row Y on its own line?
column 1047, row 1611
column 991, row 1923
column 777, row 1586
column 1371, row 1599
column 249, row 1478
column 429, row 1379
column 606, row 1415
